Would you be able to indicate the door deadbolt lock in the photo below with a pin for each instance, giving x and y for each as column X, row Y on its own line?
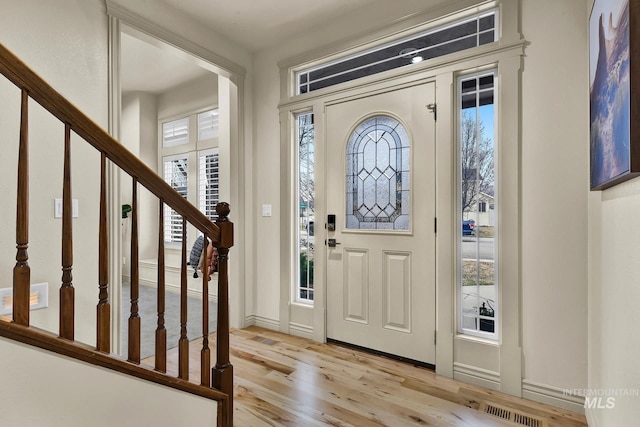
column 331, row 222
column 332, row 243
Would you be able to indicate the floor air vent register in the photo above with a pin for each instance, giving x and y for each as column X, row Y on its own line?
column 518, row 417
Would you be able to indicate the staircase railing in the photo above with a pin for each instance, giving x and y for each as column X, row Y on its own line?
column 215, row 383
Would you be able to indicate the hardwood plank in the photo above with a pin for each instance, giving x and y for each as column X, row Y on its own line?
column 282, row 380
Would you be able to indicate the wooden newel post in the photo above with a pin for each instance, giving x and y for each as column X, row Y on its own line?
column 223, row 371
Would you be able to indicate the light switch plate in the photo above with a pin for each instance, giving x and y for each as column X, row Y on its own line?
column 266, row 210
column 57, row 208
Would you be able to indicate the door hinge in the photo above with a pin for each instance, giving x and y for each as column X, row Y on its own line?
column 434, row 109
column 435, row 225
column 435, row 337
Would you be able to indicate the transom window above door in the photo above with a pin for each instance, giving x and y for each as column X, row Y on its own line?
column 378, row 175
column 466, row 33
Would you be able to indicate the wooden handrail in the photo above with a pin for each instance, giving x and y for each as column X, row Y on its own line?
column 220, row 233
column 39, row 90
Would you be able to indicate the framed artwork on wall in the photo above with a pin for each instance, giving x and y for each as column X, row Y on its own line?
column 614, row 93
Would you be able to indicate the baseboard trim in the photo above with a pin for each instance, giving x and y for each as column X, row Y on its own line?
column 263, row 322
column 299, row 330
column 476, row 376
column 175, row 289
column 551, row 395
column 591, row 417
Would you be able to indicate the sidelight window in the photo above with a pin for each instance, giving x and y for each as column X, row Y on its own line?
column 477, row 287
column 306, row 199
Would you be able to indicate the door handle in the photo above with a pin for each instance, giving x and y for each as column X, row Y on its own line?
column 332, row 243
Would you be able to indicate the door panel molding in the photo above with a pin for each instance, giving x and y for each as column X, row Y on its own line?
column 396, row 294
column 356, row 285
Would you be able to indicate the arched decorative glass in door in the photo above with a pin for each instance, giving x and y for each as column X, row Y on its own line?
column 378, row 175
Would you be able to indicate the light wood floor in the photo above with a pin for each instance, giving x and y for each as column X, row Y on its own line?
column 281, row 380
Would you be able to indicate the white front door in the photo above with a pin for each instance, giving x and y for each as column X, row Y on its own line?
column 381, row 189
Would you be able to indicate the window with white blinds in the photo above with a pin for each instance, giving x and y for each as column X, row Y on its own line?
column 208, row 191
column 208, row 124
column 176, row 174
column 175, row 132
column 189, row 163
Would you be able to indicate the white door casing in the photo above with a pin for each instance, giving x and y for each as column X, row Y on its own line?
column 381, row 282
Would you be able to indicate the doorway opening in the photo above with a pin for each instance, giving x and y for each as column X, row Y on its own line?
column 168, row 117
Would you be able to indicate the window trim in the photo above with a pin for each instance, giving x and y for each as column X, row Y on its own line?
column 439, row 26
column 415, row 24
column 459, row 315
column 296, row 288
column 191, row 151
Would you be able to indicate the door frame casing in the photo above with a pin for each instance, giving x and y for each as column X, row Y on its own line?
column 232, row 77
column 507, row 57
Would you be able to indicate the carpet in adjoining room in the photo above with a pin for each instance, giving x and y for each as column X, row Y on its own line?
column 147, row 310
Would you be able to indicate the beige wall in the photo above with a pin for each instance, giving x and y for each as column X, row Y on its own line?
column 55, row 391
column 67, row 46
column 554, row 200
column 139, row 133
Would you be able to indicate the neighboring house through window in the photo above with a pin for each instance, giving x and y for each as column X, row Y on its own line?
column 306, row 197
column 477, row 286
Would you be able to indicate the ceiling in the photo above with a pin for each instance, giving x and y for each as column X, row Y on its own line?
column 256, row 24
column 167, row 71
column 252, row 24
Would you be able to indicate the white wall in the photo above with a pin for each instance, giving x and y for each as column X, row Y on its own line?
column 55, row 391
column 191, row 96
column 139, row 133
column 67, row 46
column 614, row 292
column 554, row 179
